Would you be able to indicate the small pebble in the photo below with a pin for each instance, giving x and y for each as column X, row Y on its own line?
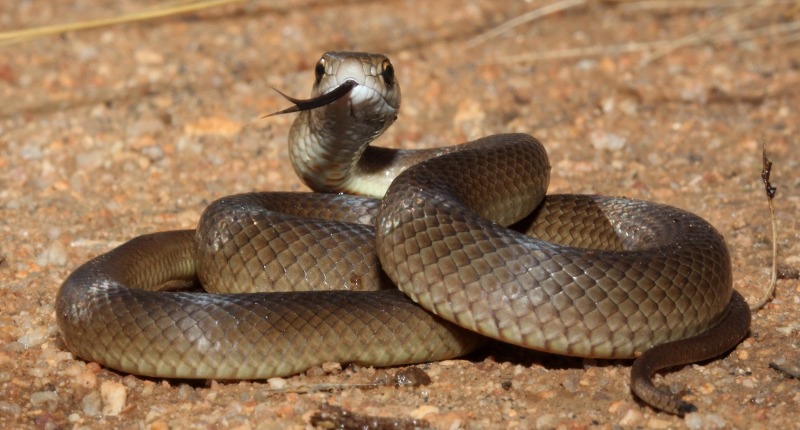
column 571, row 383
column 422, row 411
column 276, row 383
column 413, row 376
column 697, row 421
column 148, row 57
column 54, row 255
column 658, row 423
column 114, row 396
column 91, row 404
column 605, row 140
column 332, row 368
column 631, row 418
column 382, row 377
column 546, row 421
column 158, row 425
column 43, row 399
column 315, row 371
column 447, row 421
column 34, row 336
column 86, row 379
column 9, row 408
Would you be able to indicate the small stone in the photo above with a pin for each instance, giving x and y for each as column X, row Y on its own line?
column 382, row 377
column 607, row 104
column 332, row 368
column 114, row 396
column 571, row 383
column 34, row 336
column 448, row 421
column 87, row 378
column 187, row 392
column 697, row 420
column 147, row 56
column 154, row 153
column 413, row 376
column 315, row 371
column 706, row 388
column 631, row 418
column 276, row 383
column 615, row 406
column 91, row 404
column 53, row 255
column 158, row 425
column 604, row 140
column 130, row 381
column 657, row 423
column 10, row 408
column 215, row 126
column 693, row 421
column 38, row 372
column 422, row 411
column 44, row 398
column 84, row 51
column 715, row 421
column 546, row 421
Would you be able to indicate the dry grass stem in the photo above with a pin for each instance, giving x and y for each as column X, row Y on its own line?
column 646, row 5
column 524, row 19
column 164, row 10
column 785, row 30
column 699, row 36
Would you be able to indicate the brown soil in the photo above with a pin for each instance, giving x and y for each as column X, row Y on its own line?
column 114, row 132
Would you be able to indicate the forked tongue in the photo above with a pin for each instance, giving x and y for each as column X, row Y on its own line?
column 319, row 101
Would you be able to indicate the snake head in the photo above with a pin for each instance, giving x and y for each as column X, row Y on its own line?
column 368, row 79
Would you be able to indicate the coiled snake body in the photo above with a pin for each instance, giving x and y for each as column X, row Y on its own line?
column 579, row 275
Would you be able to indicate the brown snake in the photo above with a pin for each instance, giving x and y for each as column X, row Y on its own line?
column 579, row 275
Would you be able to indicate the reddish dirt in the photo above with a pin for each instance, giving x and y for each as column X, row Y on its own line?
column 114, row 132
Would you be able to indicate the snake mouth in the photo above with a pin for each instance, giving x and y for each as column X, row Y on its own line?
column 315, row 102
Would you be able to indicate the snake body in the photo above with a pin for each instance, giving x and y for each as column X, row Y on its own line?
column 579, row 275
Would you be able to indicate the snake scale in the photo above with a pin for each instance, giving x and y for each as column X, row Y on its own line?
column 409, row 270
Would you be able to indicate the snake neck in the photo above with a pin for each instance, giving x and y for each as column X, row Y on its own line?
column 329, row 151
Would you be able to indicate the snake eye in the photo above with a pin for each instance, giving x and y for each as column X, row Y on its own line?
column 319, row 70
column 387, row 72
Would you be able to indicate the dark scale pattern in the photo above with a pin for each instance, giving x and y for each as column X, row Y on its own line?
column 253, row 242
column 190, row 335
column 601, row 277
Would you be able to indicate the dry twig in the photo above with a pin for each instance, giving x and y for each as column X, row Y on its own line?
column 769, row 189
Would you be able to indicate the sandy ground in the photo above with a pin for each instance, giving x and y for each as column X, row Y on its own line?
column 111, row 133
